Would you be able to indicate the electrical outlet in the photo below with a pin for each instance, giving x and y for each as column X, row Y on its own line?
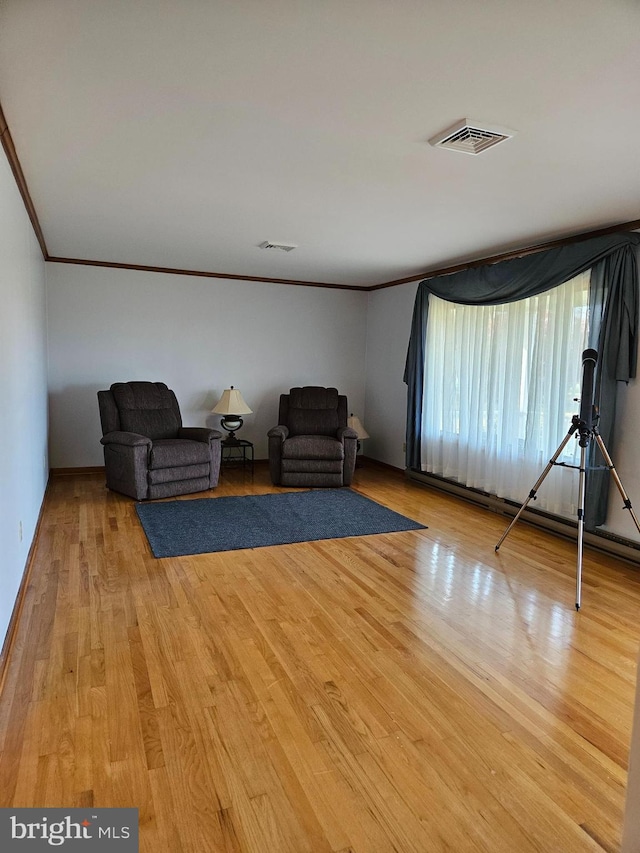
column 20, row 531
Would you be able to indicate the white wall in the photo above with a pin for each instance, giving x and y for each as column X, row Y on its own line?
column 199, row 335
column 23, row 389
column 388, row 326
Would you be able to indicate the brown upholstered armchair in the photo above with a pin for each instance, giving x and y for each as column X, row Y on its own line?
column 312, row 444
column 147, row 451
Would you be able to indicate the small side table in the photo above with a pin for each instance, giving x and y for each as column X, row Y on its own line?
column 240, row 453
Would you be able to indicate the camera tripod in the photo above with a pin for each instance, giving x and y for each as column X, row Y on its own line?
column 582, row 426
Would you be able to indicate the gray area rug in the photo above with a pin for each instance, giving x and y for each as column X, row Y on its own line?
column 203, row 525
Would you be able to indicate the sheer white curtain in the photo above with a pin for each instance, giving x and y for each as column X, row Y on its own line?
column 499, row 389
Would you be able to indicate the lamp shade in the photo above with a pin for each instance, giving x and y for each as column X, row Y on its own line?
column 354, row 422
column 231, row 403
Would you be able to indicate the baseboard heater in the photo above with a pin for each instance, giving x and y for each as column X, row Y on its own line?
column 608, row 543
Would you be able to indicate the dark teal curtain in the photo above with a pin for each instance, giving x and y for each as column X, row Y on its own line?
column 613, row 327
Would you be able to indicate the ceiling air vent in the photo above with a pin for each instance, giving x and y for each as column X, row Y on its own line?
column 470, row 137
column 284, row 247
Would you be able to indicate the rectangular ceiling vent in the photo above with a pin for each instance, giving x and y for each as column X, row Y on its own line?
column 471, row 137
column 284, row 247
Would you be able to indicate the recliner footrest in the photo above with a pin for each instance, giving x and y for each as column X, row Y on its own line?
column 319, row 447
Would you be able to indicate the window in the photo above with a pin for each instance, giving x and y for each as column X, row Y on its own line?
column 500, row 384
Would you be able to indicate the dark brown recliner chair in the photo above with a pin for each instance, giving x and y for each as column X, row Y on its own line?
column 147, row 451
column 312, row 444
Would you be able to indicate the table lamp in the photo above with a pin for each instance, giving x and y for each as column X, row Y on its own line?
column 231, row 405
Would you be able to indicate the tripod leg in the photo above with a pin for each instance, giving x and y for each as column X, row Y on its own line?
column 581, row 492
column 618, row 482
column 534, row 490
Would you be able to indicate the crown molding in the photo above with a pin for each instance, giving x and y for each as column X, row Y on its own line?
column 18, row 174
column 202, row 273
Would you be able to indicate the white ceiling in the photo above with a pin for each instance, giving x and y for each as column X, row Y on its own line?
column 183, row 134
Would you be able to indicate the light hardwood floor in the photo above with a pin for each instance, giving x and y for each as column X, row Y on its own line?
column 408, row 692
